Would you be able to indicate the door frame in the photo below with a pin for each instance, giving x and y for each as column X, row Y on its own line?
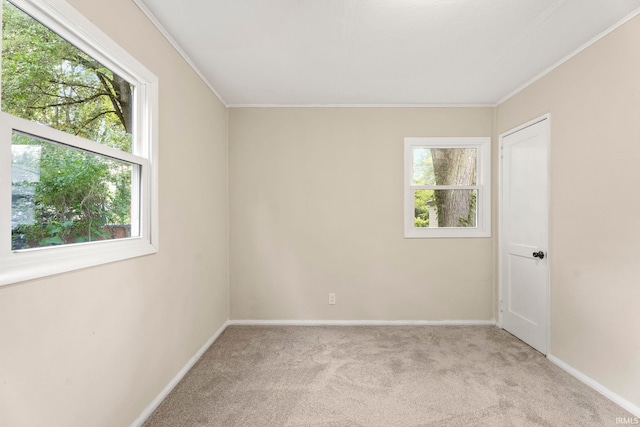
column 501, row 282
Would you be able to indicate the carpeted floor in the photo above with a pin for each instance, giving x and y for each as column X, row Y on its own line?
column 378, row 376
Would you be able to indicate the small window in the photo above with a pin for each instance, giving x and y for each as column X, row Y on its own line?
column 447, row 187
column 77, row 145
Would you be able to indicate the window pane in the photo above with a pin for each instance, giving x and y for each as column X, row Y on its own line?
column 423, row 167
column 445, row 208
column 48, row 80
column 444, row 166
column 62, row 195
column 425, row 213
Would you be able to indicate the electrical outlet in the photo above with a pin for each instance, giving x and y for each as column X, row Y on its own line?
column 332, row 299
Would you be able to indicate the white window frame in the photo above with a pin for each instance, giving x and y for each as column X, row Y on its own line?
column 483, row 186
column 21, row 265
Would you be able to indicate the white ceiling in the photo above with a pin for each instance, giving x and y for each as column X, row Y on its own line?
column 379, row 52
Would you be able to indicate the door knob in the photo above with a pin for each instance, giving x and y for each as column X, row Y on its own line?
column 538, row 254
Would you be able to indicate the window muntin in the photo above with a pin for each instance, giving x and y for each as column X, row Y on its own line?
column 447, row 187
column 125, row 153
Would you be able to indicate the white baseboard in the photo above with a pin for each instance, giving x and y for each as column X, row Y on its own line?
column 165, row 392
column 363, row 322
column 615, row 398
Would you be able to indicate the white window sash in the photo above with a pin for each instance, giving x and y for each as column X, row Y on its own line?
column 483, row 187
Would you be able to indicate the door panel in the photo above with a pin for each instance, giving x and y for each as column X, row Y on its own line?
column 524, row 220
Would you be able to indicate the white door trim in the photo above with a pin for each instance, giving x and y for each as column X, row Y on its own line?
column 500, row 223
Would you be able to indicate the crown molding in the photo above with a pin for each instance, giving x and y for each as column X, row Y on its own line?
column 571, row 55
column 177, row 47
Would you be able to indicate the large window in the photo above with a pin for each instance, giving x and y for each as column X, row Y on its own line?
column 447, row 187
column 77, row 145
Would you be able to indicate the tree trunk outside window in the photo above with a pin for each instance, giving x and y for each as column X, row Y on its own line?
column 455, row 167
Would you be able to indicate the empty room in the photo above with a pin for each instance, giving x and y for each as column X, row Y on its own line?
column 319, row 213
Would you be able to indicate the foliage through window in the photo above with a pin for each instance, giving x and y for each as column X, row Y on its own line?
column 63, row 195
column 79, row 127
column 447, row 187
column 48, row 80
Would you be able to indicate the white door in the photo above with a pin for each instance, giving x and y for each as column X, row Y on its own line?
column 524, row 241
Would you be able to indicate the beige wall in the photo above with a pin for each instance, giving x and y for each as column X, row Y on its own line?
column 316, row 206
column 95, row 347
column 594, row 101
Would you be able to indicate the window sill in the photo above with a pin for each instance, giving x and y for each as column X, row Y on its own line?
column 31, row 264
column 446, row 233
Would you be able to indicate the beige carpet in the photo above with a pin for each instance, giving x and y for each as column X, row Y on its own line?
column 379, row 376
